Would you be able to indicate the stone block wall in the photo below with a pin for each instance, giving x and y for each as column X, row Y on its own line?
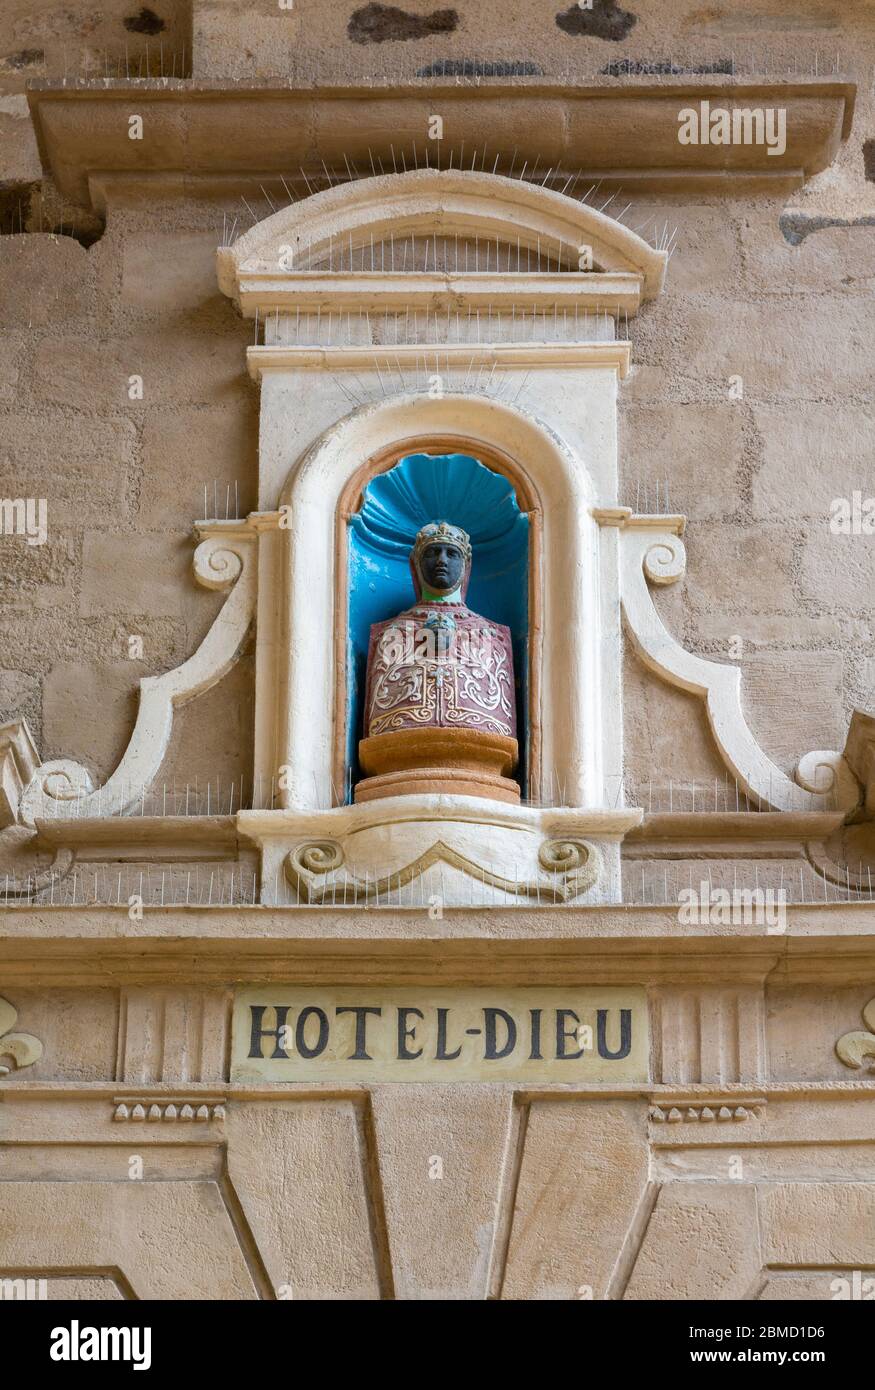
column 776, row 292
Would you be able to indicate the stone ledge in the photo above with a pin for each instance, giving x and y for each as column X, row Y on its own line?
column 831, row 944
column 214, row 130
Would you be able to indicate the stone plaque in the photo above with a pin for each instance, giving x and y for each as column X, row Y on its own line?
column 380, row 1033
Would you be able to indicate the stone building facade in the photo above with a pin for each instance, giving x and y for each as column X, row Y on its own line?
column 608, row 274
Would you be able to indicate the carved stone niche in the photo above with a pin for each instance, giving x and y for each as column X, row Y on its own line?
column 439, row 314
column 444, row 315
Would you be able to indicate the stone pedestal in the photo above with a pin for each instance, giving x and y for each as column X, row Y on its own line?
column 463, row 762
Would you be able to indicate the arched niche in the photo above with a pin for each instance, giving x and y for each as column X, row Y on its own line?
column 420, row 487
column 552, row 487
column 527, row 357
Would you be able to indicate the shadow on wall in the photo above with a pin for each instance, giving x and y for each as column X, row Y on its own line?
column 604, row 20
column 388, row 23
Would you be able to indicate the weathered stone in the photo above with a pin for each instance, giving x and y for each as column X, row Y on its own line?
column 169, row 271
column 712, row 1231
column 44, row 280
column 19, row 156
column 810, row 683
column 671, row 444
column 582, row 1171
column 141, row 575
column 83, row 473
column 220, row 446
column 740, row 569
column 836, row 569
column 830, row 447
column 71, row 690
column 300, row 1173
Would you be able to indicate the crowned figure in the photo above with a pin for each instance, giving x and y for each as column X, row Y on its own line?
column 440, row 702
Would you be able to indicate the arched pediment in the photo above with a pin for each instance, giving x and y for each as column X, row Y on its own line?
column 446, row 203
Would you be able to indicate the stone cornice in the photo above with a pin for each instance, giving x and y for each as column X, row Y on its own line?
column 509, row 355
column 660, row 1093
column 140, row 838
column 714, row 834
column 614, row 292
column 617, row 132
column 624, row 519
column 710, row 834
column 824, row 944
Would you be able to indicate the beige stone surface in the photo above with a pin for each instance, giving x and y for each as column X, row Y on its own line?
column 302, row 1175
column 808, row 682
column 701, row 1242
column 225, row 438
column 798, row 1019
column 20, row 159
column 837, row 568
column 579, row 1200
column 740, row 569
column 101, row 1289
column 73, row 689
column 800, row 1286
column 172, row 1240
column 818, row 1223
column 667, row 735
column 155, row 569
column 326, row 1194
column 445, row 1155
column 78, row 1030
column 696, row 448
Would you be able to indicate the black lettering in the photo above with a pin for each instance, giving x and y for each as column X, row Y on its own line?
column 404, row 1053
column 300, row 1039
column 361, row 1012
column 258, row 1032
column 562, row 1036
column 625, row 1034
column 535, row 1054
column 441, row 1055
column 491, row 1017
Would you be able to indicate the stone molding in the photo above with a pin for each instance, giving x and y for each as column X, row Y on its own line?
column 277, row 358
column 204, row 131
column 592, row 292
column 194, row 1109
column 22, row 1048
column 449, row 202
column 652, row 553
column 62, row 787
column 854, row 1048
column 571, row 868
column 19, row 761
column 824, row 945
column 697, row 1111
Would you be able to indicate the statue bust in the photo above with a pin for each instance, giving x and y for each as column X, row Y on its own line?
column 440, row 702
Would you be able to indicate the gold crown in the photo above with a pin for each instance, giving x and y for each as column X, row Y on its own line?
column 441, row 531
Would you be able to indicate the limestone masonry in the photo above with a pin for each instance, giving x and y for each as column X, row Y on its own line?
column 437, row 650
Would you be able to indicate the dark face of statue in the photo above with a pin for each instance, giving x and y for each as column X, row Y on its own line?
column 442, row 566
